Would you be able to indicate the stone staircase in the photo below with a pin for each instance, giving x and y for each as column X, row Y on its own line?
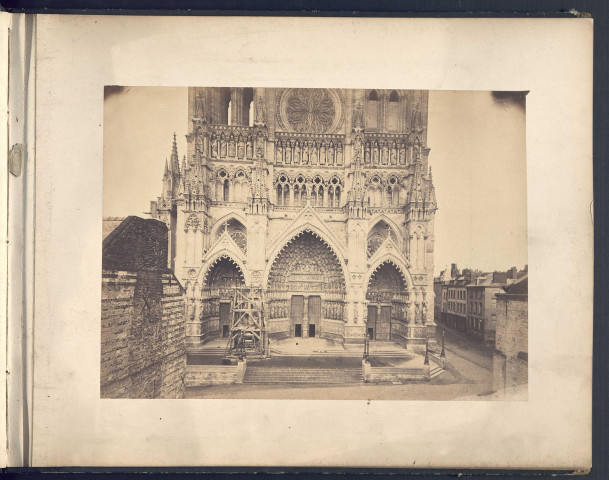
column 207, row 350
column 391, row 353
column 289, row 375
column 434, row 372
column 321, row 353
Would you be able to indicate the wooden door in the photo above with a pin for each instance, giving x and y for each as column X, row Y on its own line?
column 224, row 319
column 311, row 330
column 371, row 323
column 297, row 314
column 384, row 328
column 314, row 314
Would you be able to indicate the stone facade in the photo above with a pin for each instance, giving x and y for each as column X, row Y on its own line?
column 321, row 197
column 510, row 359
column 482, row 306
column 466, row 301
column 142, row 333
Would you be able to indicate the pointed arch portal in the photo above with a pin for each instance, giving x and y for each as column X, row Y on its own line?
column 217, row 294
column 388, row 296
column 307, row 290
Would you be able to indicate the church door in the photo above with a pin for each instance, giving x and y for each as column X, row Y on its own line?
column 297, row 314
column 314, row 315
column 224, row 319
column 371, row 323
column 383, row 332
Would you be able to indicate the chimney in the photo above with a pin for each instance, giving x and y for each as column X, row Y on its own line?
column 513, row 273
column 500, row 277
column 454, row 271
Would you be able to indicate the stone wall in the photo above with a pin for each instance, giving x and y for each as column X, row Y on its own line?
column 142, row 337
column 510, row 360
column 203, row 375
column 394, row 374
column 143, row 352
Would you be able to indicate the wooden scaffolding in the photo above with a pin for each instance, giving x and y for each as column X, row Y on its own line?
column 248, row 334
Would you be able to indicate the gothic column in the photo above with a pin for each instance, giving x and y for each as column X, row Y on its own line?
column 355, row 325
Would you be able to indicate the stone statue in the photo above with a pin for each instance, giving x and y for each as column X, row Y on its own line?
column 260, row 111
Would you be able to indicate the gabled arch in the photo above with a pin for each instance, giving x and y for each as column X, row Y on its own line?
column 202, row 277
column 389, row 257
column 394, row 229
column 307, row 218
column 222, row 220
column 383, row 217
column 378, row 236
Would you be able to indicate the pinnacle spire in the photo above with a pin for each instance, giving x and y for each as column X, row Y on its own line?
column 175, row 161
column 166, row 168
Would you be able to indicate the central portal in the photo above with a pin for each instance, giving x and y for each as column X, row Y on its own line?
column 306, row 291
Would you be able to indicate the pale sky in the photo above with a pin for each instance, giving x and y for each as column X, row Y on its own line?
column 478, row 159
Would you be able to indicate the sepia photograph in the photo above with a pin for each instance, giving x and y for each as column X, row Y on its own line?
column 288, row 243
column 314, row 243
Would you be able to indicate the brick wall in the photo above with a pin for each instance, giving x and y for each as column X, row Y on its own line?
column 510, row 360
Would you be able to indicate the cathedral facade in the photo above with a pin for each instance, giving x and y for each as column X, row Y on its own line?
column 323, row 198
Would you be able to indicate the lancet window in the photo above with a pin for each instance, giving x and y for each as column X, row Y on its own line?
column 299, row 189
column 232, row 188
column 392, row 111
column 384, row 192
column 372, row 110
